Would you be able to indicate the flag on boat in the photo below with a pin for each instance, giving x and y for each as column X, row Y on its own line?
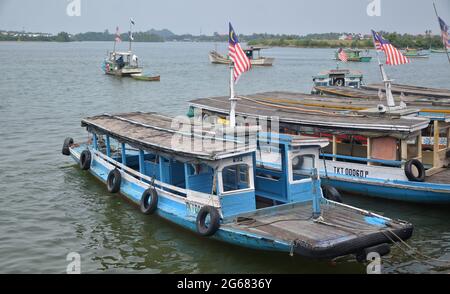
column 237, row 55
column 444, row 33
column 118, row 39
column 132, row 21
column 342, row 55
column 393, row 55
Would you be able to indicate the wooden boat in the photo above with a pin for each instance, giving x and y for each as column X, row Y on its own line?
column 415, row 53
column 374, row 151
column 338, row 77
column 437, row 51
column 217, row 58
column 141, row 77
column 354, row 55
column 121, row 64
column 219, row 191
column 411, row 90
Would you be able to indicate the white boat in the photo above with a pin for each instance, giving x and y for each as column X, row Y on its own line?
column 217, row 58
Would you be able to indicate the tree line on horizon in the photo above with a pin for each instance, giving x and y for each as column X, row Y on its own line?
column 332, row 40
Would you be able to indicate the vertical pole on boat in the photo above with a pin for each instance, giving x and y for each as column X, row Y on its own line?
column 316, row 194
column 232, row 98
column 445, row 45
column 386, row 81
column 129, row 37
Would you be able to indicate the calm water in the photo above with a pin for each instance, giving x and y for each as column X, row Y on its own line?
column 49, row 207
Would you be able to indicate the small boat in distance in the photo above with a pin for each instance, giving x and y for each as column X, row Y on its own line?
column 339, row 78
column 354, row 55
column 217, row 58
column 438, row 51
column 415, row 53
column 141, row 77
column 122, row 64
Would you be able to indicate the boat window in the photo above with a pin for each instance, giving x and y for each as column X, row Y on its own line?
column 235, row 177
column 268, row 157
column 302, row 166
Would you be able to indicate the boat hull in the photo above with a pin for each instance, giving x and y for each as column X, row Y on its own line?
column 216, row 58
column 393, row 190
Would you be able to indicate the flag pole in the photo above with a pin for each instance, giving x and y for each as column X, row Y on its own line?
column 445, row 45
column 232, row 98
column 386, row 81
column 129, row 37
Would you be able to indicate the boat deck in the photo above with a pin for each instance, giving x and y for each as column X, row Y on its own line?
column 155, row 132
column 442, row 177
column 339, row 225
column 412, row 90
column 276, row 104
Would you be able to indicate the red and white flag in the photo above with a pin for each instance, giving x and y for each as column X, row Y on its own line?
column 241, row 61
column 342, row 55
column 393, row 55
column 118, row 39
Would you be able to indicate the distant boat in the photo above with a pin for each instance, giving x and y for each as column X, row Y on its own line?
column 217, row 58
column 339, row 78
column 121, row 64
column 141, row 77
column 415, row 53
column 354, row 55
column 437, row 51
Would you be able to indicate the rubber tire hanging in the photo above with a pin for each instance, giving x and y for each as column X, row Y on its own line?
column 113, row 181
column 146, row 206
column 210, row 229
column 85, row 160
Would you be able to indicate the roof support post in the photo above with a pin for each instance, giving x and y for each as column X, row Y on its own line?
column 124, row 154
column 108, row 146
column 436, row 144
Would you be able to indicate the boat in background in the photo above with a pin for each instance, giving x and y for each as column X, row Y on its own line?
column 217, row 58
column 121, row 64
column 142, row 77
column 354, row 55
column 438, row 51
column 339, row 78
column 415, row 53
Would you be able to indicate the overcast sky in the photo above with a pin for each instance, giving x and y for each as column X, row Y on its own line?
column 208, row 16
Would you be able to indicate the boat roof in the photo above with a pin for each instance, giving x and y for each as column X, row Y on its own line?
column 127, row 53
column 290, row 108
column 255, row 48
column 156, row 133
column 344, row 71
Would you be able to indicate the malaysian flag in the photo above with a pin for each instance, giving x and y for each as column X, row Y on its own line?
column 393, row 55
column 237, row 55
column 342, row 55
column 118, row 39
column 444, row 33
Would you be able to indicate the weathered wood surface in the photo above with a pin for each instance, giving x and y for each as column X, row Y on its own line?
column 441, row 177
column 412, row 90
column 151, row 131
column 279, row 104
column 294, row 222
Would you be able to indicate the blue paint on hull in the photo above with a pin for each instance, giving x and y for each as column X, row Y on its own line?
column 175, row 212
column 395, row 190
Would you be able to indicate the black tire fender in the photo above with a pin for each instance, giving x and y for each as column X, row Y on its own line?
column 85, row 159
column 211, row 228
column 420, row 168
column 67, row 143
column 331, row 193
column 113, row 181
column 149, row 201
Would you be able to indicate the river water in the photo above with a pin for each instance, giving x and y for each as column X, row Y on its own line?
column 49, row 207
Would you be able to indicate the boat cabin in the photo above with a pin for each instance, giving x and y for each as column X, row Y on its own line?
column 122, row 63
column 222, row 172
column 338, row 77
column 250, row 52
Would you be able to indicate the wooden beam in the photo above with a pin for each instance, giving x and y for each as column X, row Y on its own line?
column 334, row 147
column 369, row 150
column 404, row 150
column 436, row 144
column 419, row 146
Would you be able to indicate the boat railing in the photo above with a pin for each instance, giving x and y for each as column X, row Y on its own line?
column 394, row 163
column 137, row 174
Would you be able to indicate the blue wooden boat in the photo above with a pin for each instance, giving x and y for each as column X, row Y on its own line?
column 401, row 154
column 220, row 191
